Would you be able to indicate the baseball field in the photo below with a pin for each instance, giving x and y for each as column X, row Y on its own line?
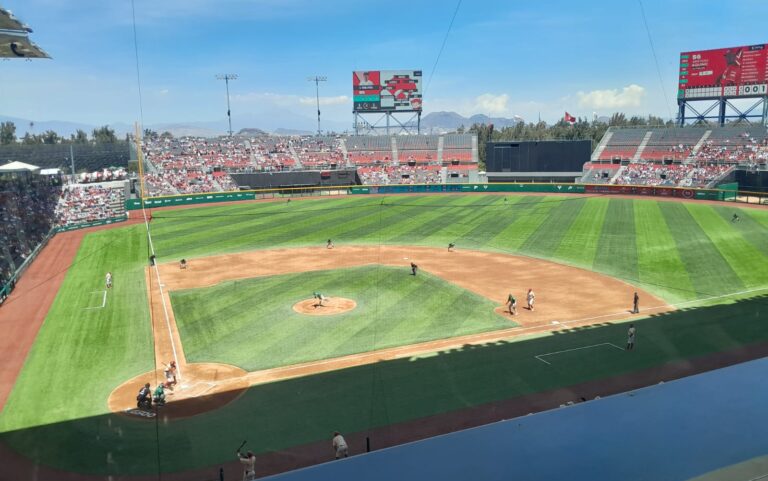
column 390, row 356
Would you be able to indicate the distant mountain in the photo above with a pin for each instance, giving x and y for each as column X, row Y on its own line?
column 448, row 121
column 251, row 132
column 282, row 131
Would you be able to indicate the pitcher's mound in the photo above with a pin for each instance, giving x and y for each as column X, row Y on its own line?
column 331, row 306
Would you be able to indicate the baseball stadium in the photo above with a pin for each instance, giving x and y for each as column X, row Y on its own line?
column 455, row 305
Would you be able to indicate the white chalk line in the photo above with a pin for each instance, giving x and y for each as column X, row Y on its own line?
column 103, row 301
column 539, row 357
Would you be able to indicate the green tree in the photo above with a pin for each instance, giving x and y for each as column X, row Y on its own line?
column 50, row 137
column 104, row 135
column 79, row 137
column 7, row 133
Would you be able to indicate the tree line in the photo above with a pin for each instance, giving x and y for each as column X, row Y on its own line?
column 101, row 135
column 582, row 129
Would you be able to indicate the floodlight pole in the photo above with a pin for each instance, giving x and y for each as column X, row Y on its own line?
column 226, row 78
column 317, row 79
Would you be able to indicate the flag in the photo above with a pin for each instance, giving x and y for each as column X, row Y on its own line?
column 569, row 118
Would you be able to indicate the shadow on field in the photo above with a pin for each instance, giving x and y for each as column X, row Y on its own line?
column 289, row 424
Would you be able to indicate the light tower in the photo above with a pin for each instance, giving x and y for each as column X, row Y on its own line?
column 317, row 79
column 226, row 78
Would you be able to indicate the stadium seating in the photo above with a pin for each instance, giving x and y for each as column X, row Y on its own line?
column 27, row 205
column 80, row 204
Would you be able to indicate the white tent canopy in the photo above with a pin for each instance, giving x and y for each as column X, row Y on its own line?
column 19, row 167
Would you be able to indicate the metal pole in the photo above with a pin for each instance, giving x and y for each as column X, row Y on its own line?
column 229, row 110
column 317, row 96
column 72, row 160
column 226, row 78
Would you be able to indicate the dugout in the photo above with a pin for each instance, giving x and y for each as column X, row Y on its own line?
column 536, row 161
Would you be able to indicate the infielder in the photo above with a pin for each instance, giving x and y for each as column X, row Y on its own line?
column 531, row 297
column 636, row 304
column 512, row 304
column 329, row 244
column 414, row 268
column 451, row 246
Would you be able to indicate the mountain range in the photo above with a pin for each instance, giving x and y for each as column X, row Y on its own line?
column 433, row 122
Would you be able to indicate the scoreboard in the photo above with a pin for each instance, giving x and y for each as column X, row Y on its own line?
column 386, row 91
column 724, row 72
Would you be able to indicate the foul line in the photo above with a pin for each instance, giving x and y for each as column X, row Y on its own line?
column 539, row 357
column 162, row 297
column 103, row 301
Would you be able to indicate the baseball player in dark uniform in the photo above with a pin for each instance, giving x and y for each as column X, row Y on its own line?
column 414, row 268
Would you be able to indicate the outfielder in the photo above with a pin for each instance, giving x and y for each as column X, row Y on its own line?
column 108, row 280
column 340, row 445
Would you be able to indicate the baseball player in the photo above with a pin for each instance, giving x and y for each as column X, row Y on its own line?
column 636, row 304
column 320, row 298
column 414, row 268
column 531, row 297
column 170, row 374
column 144, row 398
column 735, row 218
column 512, row 304
column 183, row 264
column 159, row 395
column 340, row 445
column 108, row 280
column 631, row 337
column 329, row 244
column 248, row 460
column 451, row 246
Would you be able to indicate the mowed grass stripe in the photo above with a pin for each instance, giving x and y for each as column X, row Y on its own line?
column 545, row 240
column 523, row 217
column 617, row 248
column 658, row 260
column 709, row 272
column 389, row 216
column 408, row 227
column 495, row 222
column 750, row 229
column 739, row 253
column 579, row 244
column 442, row 226
column 222, row 235
column 489, row 211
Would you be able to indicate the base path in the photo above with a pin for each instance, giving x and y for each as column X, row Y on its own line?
column 566, row 297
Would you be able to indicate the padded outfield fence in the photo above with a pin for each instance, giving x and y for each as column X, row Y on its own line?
column 724, row 193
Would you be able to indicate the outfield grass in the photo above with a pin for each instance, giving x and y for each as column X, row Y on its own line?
column 394, row 308
column 57, row 412
column 680, row 252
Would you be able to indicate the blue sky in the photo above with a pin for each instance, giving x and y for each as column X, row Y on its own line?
column 501, row 58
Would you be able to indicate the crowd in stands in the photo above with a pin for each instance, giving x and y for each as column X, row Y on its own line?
column 400, row 174
column 27, row 204
column 195, row 165
column 79, row 204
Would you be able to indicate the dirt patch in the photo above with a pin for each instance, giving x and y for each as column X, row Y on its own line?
column 200, row 388
column 331, row 306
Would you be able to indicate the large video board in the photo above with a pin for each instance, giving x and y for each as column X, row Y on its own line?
column 386, row 91
column 724, row 72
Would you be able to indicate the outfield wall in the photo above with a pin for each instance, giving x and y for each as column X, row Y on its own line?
column 512, row 188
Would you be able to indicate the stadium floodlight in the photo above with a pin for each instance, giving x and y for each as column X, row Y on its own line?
column 226, row 78
column 317, row 79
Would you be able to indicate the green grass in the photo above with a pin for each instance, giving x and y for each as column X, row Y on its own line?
column 57, row 413
column 394, row 308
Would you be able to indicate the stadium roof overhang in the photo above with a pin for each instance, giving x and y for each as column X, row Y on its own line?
column 18, row 167
column 14, row 39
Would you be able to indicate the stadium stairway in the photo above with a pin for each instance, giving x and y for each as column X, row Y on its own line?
column 700, row 143
column 641, row 147
column 601, row 146
column 344, row 152
column 395, row 153
column 295, row 156
column 718, row 180
column 440, row 146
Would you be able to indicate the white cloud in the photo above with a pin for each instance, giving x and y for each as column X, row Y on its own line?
column 630, row 96
column 338, row 100
column 492, row 104
column 288, row 100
